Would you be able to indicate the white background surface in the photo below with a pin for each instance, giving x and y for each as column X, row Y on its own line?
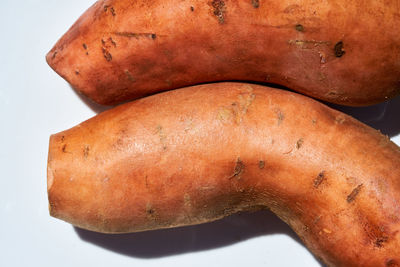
column 35, row 102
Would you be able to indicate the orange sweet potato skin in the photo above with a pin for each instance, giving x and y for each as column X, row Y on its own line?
column 346, row 52
column 183, row 157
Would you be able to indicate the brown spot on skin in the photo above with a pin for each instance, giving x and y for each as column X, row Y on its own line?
column 392, row 263
column 162, row 136
column 255, row 3
column 219, row 10
column 281, row 116
column 112, row 42
column 77, row 72
column 314, row 121
column 150, row 210
column 376, row 234
column 136, row 35
column 299, row 28
column 319, row 179
column 338, row 49
column 317, row 219
column 239, row 168
column 107, row 55
column 354, row 193
column 62, row 138
column 261, row 164
column 86, row 151
column 84, row 46
column 299, row 143
column 54, row 55
column 129, row 76
column 380, row 241
column 63, row 149
column 191, row 8
column 112, row 10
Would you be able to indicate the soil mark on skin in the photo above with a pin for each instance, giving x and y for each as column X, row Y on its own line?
column 239, row 168
column 137, row 35
column 354, row 193
column 219, row 10
column 319, row 179
column 339, row 50
column 255, row 3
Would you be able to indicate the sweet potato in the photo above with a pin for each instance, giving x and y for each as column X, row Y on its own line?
column 183, row 157
column 346, row 52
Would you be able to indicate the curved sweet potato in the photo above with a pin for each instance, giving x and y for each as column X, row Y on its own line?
column 183, row 157
column 346, row 52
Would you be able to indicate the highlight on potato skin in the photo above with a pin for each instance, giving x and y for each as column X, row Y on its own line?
column 183, row 157
column 345, row 52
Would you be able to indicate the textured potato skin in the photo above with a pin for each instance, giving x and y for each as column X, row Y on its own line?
column 183, row 157
column 346, row 52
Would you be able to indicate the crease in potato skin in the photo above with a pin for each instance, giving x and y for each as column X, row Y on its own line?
column 345, row 52
column 338, row 187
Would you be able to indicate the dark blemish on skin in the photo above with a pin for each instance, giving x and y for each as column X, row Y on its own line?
column 107, row 55
column 64, row 148
column 129, row 76
column 54, row 55
column 112, row 11
column 137, row 35
column 354, row 193
column 380, row 241
column 162, row 136
column 62, row 138
column 319, row 179
column 392, row 263
column 255, row 3
column 103, row 42
column 112, row 42
column 86, row 151
column 219, row 10
column 146, row 181
column 239, row 168
column 84, row 46
column 150, row 210
column 77, row 72
column 281, row 117
column 191, row 8
column 261, row 164
column 314, row 121
column 299, row 143
column 87, row 53
column 299, row 28
column 339, row 51
column 317, row 219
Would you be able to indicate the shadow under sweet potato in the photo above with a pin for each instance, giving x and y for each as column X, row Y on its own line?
column 168, row 242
